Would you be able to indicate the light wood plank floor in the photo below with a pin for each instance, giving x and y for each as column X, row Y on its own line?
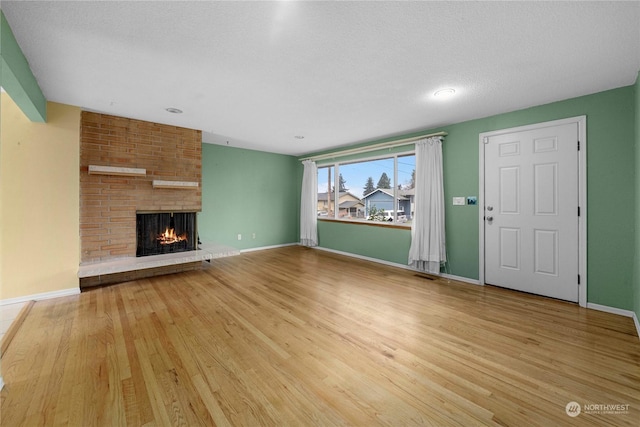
column 298, row 337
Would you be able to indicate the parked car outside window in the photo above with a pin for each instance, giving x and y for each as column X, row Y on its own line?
column 388, row 216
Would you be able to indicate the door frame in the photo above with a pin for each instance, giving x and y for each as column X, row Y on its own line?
column 581, row 121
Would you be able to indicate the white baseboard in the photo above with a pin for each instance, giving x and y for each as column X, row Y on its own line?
column 366, row 258
column 393, row 264
column 618, row 311
column 612, row 310
column 263, row 248
column 41, row 296
column 461, row 279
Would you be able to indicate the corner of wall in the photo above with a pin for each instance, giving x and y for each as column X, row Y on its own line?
column 636, row 270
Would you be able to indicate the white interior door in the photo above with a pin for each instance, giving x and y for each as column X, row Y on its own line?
column 531, row 200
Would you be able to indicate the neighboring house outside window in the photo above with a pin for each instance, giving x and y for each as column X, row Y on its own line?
column 349, row 205
column 383, row 199
column 409, row 194
column 371, row 189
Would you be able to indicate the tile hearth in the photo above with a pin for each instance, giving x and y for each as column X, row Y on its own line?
column 206, row 252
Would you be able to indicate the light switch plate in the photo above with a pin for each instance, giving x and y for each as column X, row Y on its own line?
column 459, row 201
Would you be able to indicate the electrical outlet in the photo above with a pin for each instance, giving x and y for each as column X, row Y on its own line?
column 239, row 236
column 253, row 236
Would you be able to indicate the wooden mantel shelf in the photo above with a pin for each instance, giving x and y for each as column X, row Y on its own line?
column 181, row 185
column 115, row 170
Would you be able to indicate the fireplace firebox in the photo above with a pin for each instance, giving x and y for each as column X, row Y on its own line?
column 165, row 232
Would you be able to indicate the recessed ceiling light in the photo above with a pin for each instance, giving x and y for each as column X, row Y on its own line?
column 174, row 110
column 299, row 137
column 444, row 93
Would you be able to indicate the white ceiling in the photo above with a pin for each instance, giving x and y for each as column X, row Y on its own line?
column 256, row 74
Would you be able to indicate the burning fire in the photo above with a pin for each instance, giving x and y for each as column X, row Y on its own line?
column 169, row 237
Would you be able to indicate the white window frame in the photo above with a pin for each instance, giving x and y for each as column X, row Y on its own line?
column 336, row 189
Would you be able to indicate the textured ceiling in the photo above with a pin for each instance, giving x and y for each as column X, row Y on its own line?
column 256, row 74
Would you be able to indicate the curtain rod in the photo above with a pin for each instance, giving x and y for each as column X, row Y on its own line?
column 389, row 144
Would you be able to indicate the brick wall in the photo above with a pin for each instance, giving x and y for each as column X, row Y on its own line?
column 108, row 204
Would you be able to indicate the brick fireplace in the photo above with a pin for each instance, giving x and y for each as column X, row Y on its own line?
column 142, row 161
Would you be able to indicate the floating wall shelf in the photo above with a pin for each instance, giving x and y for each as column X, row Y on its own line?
column 114, row 170
column 181, row 185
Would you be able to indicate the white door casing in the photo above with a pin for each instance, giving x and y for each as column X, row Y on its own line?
column 532, row 183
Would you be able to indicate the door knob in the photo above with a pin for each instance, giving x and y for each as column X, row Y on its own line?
column 489, row 218
column 489, row 208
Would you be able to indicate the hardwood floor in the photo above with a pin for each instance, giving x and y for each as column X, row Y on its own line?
column 297, row 337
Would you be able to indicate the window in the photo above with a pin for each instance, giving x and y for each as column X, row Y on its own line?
column 326, row 197
column 375, row 189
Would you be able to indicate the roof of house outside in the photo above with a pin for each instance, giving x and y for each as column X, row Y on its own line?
column 387, row 191
column 350, row 204
column 323, row 196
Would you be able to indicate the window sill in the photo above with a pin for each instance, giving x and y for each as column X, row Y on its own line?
column 368, row 223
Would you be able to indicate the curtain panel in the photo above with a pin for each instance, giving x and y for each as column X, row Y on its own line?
column 428, row 247
column 309, row 205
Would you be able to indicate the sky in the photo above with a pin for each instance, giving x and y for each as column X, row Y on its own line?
column 356, row 174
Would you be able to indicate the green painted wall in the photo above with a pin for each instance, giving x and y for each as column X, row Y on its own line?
column 610, row 182
column 382, row 243
column 636, row 280
column 246, row 192
column 17, row 78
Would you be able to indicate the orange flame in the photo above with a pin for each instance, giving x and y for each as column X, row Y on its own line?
column 170, row 237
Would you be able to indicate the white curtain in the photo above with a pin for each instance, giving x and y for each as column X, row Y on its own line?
column 309, row 205
column 428, row 249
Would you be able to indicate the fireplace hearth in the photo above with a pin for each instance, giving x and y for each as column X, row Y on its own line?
column 165, row 232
